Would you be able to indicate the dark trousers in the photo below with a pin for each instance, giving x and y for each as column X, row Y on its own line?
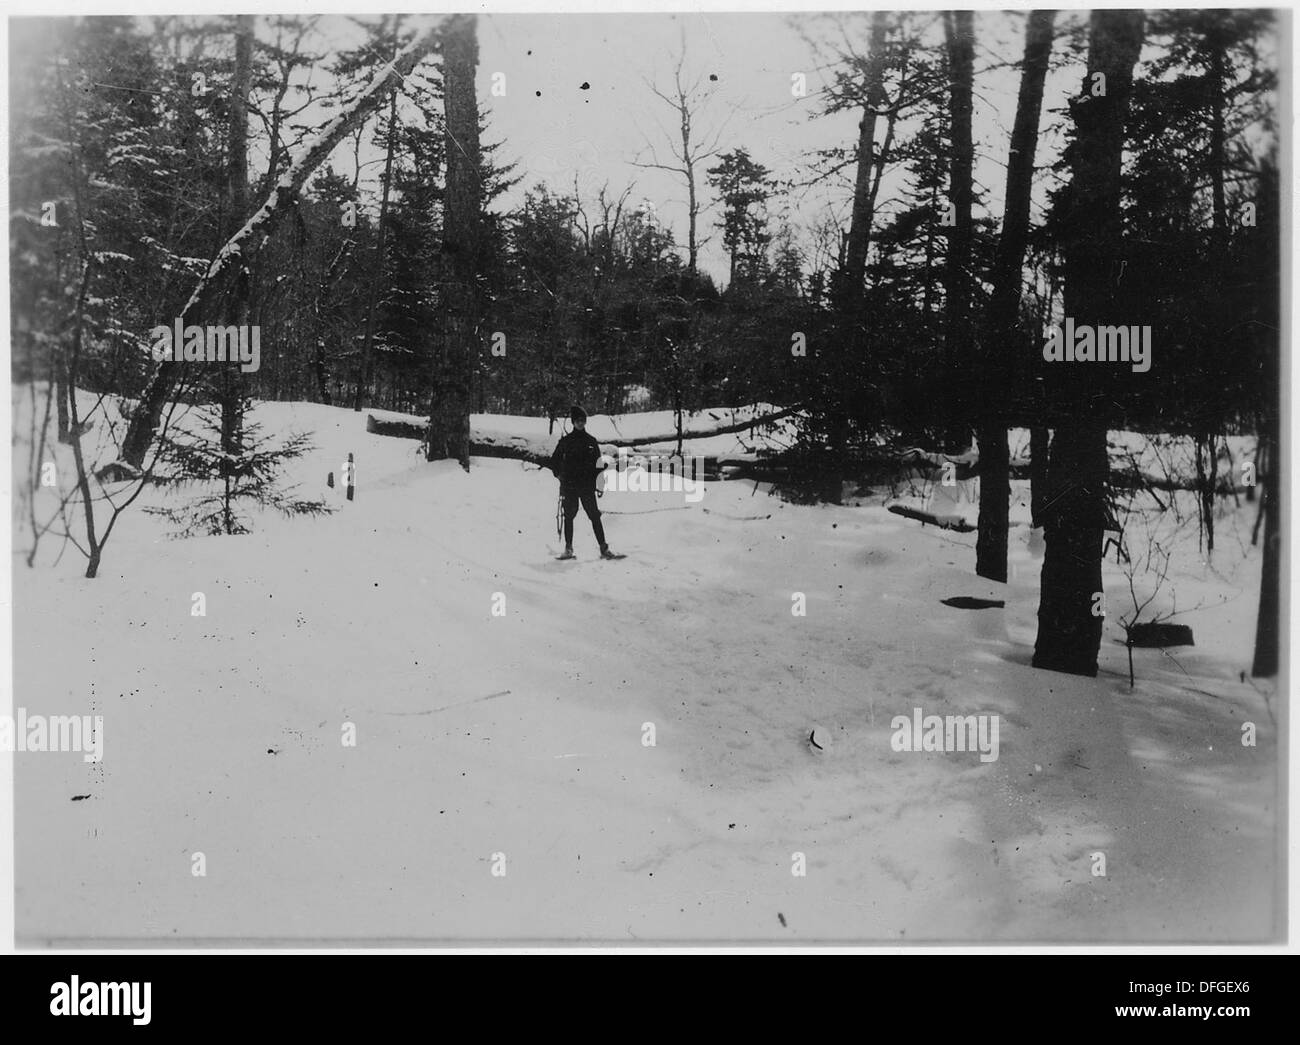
column 587, row 497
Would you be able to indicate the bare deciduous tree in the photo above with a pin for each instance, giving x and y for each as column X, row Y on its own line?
column 690, row 148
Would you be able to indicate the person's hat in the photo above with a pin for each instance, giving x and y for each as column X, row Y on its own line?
column 577, row 414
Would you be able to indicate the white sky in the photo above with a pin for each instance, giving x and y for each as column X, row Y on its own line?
column 596, row 135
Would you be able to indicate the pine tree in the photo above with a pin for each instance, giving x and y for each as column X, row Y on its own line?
column 744, row 188
column 234, row 475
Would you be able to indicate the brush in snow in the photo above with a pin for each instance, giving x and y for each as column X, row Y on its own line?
column 819, row 740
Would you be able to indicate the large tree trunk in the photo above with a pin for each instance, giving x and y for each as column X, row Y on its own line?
column 1207, row 473
column 1002, row 328
column 1039, row 440
column 461, row 243
column 959, row 36
column 855, row 257
column 1069, row 631
column 847, row 288
column 1266, row 627
column 241, row 247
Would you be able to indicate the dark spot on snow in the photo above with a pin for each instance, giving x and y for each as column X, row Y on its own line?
column 713, row 77
column 271, row 751
column 782, row 919
column 966, row 602
column 585, row 86
column 538, row 93
column 79, row 798
column 730, row 826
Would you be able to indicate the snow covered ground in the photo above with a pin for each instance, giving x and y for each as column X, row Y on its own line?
column 523, row 734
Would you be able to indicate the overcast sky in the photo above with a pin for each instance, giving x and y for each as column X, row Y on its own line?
column 557, row 131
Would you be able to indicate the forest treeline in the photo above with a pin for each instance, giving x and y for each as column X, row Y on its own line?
column 190, row 167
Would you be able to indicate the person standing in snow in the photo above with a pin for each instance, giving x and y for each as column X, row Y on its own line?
column 576, row 463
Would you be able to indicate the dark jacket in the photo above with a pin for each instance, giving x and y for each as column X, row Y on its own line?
column 576, row 461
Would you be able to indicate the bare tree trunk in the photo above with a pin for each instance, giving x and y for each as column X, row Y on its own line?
column 1272, row 469
column 959, row 35
column 1038, row 452
column 1265, row 662
column 319, row 365
column 365, row 371
column 692, row 204
column 848, row 287
column 232, row 380
column 1217, row 138
column 461, row 243
column 59, row 385
column 1039, row 433
column 855, row 257
column 1205, row 478
column 94, row 547
column 249, row 240
column 1002, row 326
column 1074, row 515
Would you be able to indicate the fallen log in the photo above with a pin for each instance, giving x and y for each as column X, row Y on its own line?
column 399, row 429
column 945, row 522
column 688, row 434
column 777, row 468
column 514, row 451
